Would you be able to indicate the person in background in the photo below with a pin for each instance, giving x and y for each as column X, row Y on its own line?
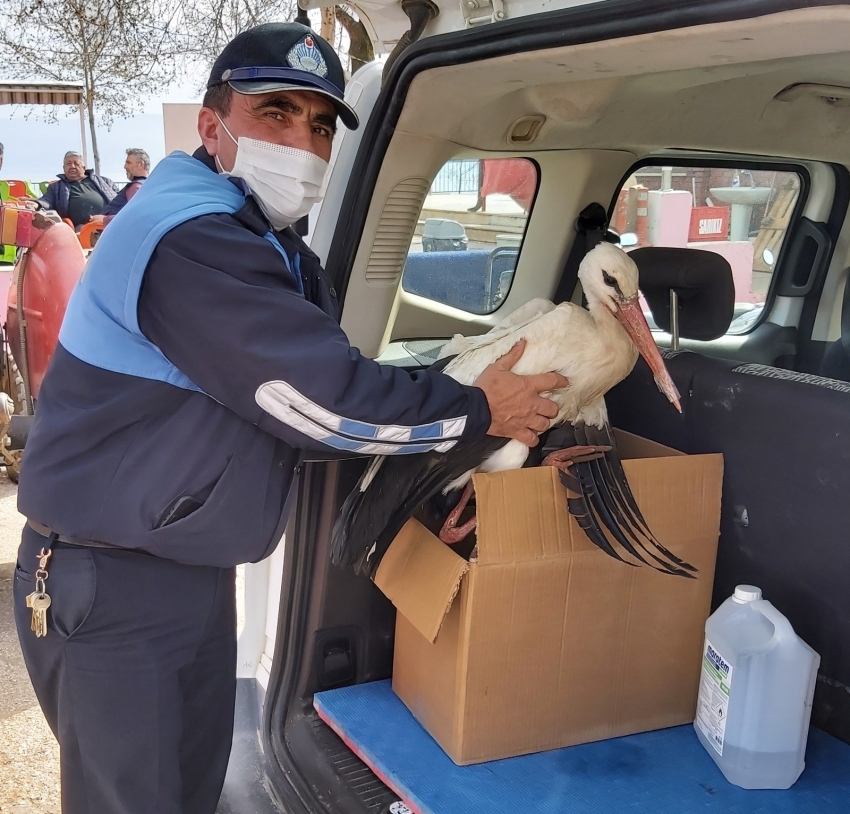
column 79, row 193
column 138, row 168
column 1, row 156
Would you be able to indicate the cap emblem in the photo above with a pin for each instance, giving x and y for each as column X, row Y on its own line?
column 305, row 56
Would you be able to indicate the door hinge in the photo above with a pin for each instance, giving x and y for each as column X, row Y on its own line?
column 479, row 12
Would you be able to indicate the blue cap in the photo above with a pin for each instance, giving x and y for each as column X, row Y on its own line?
column 283, row 56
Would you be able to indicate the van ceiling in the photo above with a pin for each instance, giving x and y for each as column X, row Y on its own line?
column 709, row 87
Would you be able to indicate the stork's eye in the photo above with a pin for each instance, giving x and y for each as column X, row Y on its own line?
column 608, row 279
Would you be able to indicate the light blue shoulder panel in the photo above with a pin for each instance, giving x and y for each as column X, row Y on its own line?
column 101, row 324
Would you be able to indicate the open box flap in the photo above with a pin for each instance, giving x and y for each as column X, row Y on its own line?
column 421, row 575
column 523, row 515
column 630, row 446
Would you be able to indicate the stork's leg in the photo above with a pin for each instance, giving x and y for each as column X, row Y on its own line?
column 451, row 533
column 563, row 459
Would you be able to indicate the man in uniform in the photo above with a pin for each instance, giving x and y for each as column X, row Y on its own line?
column 199, row 356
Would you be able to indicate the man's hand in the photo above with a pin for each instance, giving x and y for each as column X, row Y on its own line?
column 517, row 409
column 98, row 219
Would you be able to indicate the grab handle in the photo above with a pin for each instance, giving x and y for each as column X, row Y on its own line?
column 783, row 628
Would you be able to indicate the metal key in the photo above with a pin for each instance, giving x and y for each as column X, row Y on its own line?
column 39, row 602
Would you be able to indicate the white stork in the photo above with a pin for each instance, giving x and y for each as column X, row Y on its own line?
column 594, row 349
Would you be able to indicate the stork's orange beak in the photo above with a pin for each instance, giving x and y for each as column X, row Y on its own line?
column 632, row 319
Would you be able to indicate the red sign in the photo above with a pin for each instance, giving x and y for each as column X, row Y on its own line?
column 709, row 223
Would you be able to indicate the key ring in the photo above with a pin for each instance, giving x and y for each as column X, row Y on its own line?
column 41, row 572
column 43, row 558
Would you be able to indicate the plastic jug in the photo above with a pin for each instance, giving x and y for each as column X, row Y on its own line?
column 755, row 694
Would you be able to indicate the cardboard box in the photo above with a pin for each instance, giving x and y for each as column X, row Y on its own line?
column 544, row 641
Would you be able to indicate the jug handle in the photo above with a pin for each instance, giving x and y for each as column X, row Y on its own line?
column 781, row 625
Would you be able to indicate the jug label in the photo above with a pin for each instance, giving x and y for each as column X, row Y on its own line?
column 713, row 703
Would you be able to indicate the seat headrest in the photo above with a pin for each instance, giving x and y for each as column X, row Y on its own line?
column 703, row 282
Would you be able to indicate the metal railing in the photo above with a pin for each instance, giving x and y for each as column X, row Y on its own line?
column 458, row 177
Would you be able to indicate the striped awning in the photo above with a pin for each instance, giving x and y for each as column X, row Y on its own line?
column 40, row 94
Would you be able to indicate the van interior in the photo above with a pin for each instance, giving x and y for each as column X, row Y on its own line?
column 697, row 97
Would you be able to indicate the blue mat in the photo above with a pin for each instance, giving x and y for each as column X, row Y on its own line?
column 664, row 772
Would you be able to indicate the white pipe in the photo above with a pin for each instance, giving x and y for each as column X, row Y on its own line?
column 83, row 132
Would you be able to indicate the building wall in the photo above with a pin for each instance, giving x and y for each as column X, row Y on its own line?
column 181, row 127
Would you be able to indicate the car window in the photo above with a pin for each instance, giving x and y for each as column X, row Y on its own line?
column 469, row 234
column 739, row 213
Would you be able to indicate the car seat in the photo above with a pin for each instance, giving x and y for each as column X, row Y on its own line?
column 703, row 284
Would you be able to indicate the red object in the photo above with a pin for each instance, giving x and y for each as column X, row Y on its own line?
column 25, row 235
column 16, row 227
column 709, row 223
column 516, row 177
column 18, row 189
column 51, row 270
column 86, row 233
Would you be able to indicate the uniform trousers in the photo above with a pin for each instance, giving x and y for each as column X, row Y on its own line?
column 136, row 676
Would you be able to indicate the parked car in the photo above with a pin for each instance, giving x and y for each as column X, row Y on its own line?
column 665, row 96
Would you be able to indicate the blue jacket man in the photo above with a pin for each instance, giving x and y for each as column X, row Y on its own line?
column 199, row 358
column 79, row 193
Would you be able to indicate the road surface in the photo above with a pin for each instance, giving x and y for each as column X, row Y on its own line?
column 29, row 756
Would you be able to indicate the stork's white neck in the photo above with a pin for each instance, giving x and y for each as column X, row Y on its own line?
column 612, row 335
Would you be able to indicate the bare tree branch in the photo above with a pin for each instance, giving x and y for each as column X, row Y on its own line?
column 120, row 51
column 209, row 25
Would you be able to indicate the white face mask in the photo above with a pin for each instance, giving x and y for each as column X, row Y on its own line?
column 285, row 181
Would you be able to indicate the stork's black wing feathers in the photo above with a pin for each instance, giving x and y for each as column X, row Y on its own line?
column 360, row 513
column 617, row 474
column 371, row 519
column 607, row 496
column 581, row 510
column 597, row 488
column 627, row 499
column 603, row 491
column 606, row 501
column 624, row 525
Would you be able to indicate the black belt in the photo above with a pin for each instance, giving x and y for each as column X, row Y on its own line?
column 45, row 531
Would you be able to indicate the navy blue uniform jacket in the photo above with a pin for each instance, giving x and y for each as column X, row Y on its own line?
column 257, row 370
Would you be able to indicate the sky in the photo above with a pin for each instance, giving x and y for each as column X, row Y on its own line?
column 34, row 147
